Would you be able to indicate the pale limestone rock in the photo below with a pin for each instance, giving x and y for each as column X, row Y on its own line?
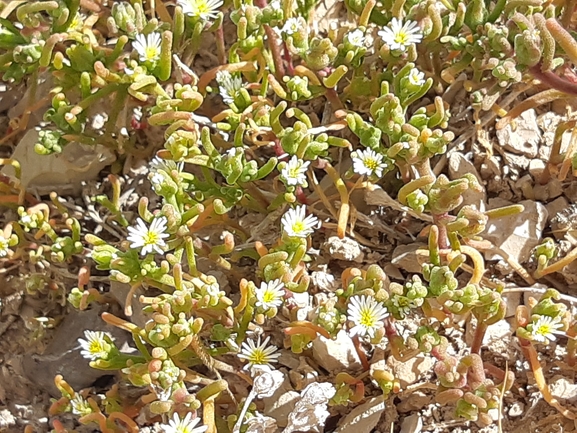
column 556, row 206
column 405, row 257
column 412, row 424
column 343, row 249
column 549, row 191
column 517, row 409
column 499, row 338
column 536, row 168
column 458, row 167
column 517, row 234
column 563, row 388
column 363, row 418
column 525, row 139
column 62, row 172
column 408, row 372
column 414, row 401
column 281, row 403
column 336, row 355
column 324, row 281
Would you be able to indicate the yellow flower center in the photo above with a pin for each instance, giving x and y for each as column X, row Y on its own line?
column 151, row 238
column 96, row 346
column 298, row 227
column 367, row 319
column 402, row 38
column 544, row 329
column 371, row 164
column 258, row 357
column 268, row 296
column 151, row 53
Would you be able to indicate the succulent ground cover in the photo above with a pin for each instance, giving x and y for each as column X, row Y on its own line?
column 238, row 216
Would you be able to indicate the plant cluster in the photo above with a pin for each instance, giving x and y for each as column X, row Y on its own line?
column 116, row 72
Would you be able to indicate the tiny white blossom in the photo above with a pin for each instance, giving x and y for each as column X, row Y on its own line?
column 295, row 171
column 295, row 222
column 369, row 162
column 4, row 246
column 270, row 294
column 166, row 165
column 544, row 328
column 291, row 26
column 356, row 38
column 228, row 85
column 258, row 354
column 416, row 77
column 148, row 47
column 366, row 314
column 95, row 346
column 80, row 406
column 399, row 36
column 203, row 9
column 186, row 425
column 149, row 239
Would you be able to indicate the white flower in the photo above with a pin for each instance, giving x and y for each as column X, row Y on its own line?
column 95, row 346
column 4, row 246
column 416, row 77
column 369, row 162
column 203, row 9
column 166, row 165
column 366, row 314
column 544, row 328
column 228, row 86
column 291, row 26
column 356, row 38
column 186, row 425
column 148, row 47
column 80, row 406
column 270, row 294
column 398, row 36
column 295, row 171
column 295, row 222
column 149, row 239
column 258, row 354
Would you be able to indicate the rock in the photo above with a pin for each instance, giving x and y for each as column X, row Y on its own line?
column 405, row 257
column 563, row 388
column 525, row 138
column 120, row 292
column 459, row 165
column 517, row 234
column 517, row 408
column 7, row 420
column 412, row 424
column 281, row 403
column 62, row 356
column 498, row 337
column 63, row 172
column 414, row 401
column 343, row 249
column 549, row 191
column 570, row 192
column 336, row 355
column 303, row 302
column 513, row 300
column 408, row 372
column 556, row 206
column 324, row 281
column 536, row 168
column 363, row 418
column 515, row 163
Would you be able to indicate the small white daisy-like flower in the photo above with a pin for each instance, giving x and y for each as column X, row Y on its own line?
column 185, row 425
column 228, row 86
column 4, row 246
column 399, row 36
column 366, row 314
column 416, row 77
column 369, row 162
column 295, row 171
column 258, row 354
column 166, row 165
column 203, row 9
column 296, row 224
column 95, row 346
column 291, row 26
column 544, row 328
column 148, row 47
column 270, row 294
column 356, row 38
column 149, row 239
column 80, row 406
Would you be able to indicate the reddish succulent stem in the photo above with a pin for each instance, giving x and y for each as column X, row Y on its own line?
column 554, row 81
column 273, row 44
